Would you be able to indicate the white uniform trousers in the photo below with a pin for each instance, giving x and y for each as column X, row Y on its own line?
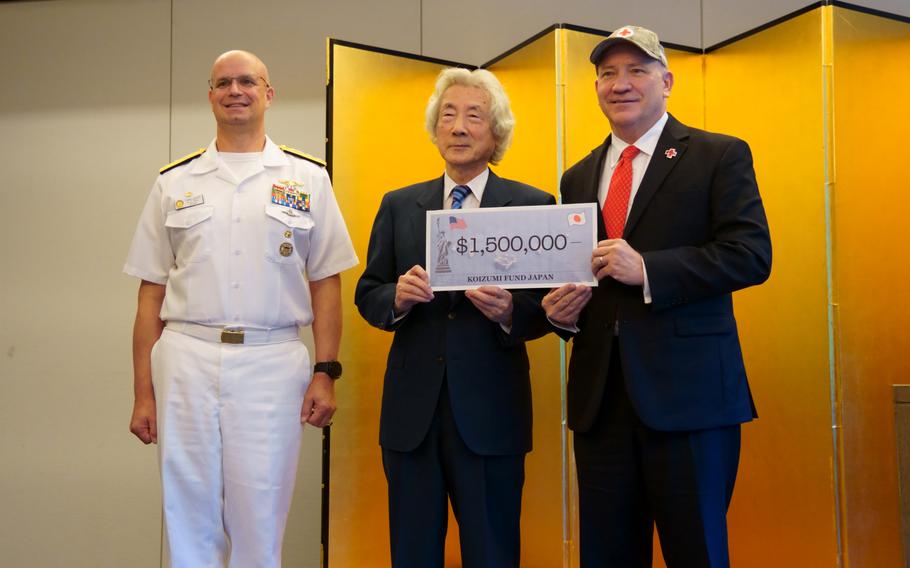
column 228, row 442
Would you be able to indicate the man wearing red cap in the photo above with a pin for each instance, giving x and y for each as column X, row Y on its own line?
column 657, row 386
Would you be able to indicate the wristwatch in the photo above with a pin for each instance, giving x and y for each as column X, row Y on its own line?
column 330, row 368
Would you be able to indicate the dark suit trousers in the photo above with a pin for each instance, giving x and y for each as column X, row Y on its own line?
column 632, row 478
column 485, row 492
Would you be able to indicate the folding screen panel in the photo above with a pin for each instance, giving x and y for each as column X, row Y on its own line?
column 377, row 143
column 871, row 209
column 768, row 89
column 528, row 74
column 584, row 127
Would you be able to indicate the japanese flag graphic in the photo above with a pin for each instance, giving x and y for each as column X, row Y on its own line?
column 576, row 218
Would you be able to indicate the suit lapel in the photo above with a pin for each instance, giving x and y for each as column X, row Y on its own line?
column 495, row 194
column 669, row 151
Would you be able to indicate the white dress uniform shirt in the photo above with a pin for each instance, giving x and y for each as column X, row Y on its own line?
column 229, row 254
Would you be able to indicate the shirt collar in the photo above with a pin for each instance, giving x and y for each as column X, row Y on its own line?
column 272, row 156
column 645, row 144
column 477, row 184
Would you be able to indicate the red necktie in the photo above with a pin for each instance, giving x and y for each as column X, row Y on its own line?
column 617, row 203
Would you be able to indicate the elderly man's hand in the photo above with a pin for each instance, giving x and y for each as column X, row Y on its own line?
column 413, row 287
column 493, row 302
column 563, row 305
column 615, row 258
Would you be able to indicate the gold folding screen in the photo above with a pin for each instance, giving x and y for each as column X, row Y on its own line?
column 823, row 338
column 826, row 336
column 377, row 144
column 871, row 205
column 768, row 89
column 528, row 77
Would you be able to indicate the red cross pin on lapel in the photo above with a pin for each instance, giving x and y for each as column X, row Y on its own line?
column 670, row 154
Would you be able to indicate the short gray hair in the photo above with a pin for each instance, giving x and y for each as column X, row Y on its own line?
column 502, row 122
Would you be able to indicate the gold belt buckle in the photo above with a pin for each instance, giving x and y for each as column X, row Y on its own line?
column 234, row 336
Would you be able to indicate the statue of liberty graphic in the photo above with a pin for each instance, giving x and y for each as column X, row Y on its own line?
column 442, row 249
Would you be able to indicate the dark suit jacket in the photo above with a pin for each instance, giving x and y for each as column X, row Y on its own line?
column 699, row 224
column 486, row 369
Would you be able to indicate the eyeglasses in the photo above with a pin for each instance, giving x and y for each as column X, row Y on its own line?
column 243, row 81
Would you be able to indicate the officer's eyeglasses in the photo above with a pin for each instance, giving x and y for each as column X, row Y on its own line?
column 243, row 81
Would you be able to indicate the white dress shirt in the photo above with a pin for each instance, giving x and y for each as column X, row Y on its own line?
column 473, row 199
column 646, row 145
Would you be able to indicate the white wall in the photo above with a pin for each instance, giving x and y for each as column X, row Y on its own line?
column 95, row 96
column 83, row 116
column 475, row 31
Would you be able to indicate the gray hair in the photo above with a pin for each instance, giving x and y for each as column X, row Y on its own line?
column 502, row 122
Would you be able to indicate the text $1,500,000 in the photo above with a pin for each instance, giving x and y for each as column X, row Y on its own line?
column 506, row 243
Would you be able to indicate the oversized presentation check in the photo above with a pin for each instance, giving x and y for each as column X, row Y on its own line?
column 511, row 247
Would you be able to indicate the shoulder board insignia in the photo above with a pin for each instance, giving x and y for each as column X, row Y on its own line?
column 184, row 160
column 299, row 154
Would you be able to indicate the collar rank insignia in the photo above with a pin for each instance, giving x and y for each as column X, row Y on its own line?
column 670, row 154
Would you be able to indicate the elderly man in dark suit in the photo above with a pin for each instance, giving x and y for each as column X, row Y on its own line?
column 456, row 403
column 657, row 387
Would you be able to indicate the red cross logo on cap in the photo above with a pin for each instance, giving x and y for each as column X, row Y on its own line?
column 624, row 32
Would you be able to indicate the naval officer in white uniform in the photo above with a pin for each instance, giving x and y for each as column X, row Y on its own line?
column 238, row 246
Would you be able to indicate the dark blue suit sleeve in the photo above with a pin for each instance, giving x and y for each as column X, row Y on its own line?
column 375, row 292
